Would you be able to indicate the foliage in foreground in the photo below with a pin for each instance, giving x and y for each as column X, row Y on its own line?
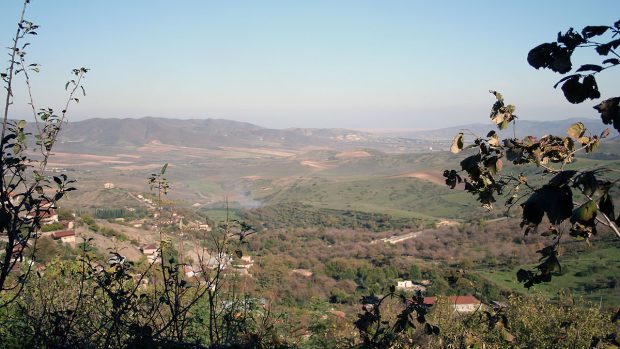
column 569, row 202
column 524, row 322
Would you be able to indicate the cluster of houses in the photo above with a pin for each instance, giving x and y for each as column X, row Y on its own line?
column 461, row 304
column 47, row 216
column 240, row 266
column 173, row 219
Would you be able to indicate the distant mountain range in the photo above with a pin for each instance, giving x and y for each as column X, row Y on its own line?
column 215, row 133
column 523, row 128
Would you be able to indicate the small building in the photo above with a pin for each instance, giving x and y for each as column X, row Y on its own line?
column 49, row 216
column 244, row 262
column 408, row 285
column 151, row 252
column 302, row 272
column 65, row 236
column 46, row 215
column 461, row 304
column 68, row 224
column 108, row 185
column 216, row 262
column 138, row 223
column 189, row 271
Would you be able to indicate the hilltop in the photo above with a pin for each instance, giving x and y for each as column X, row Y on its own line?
column 100, row 133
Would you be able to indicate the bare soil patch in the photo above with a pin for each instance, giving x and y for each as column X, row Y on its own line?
column 433, row 177
column 138, row 167
column 316, row 164
column 353, row 154
column 261, row 151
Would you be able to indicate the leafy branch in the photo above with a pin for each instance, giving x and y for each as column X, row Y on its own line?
column 482, row 176
column 581, row 85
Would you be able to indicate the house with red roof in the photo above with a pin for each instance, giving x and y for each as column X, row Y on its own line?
column 65, row 236
column 462, row 304
column 151, row 252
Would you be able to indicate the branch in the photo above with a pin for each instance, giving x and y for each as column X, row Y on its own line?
column 608, row 222
column 10, row 76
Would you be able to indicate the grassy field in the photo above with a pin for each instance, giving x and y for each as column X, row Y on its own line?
column 399, row 197
column 593, row 273
column 221, row 214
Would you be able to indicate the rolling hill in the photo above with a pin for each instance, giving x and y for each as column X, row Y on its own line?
column 214, row 133
column 523, row 128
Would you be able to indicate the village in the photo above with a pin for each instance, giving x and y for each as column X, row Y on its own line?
column 73, row 231
column 138, row 238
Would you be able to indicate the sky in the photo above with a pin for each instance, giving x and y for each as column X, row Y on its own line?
column 382, row 64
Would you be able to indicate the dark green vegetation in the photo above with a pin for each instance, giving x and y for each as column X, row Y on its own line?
column 592, row 272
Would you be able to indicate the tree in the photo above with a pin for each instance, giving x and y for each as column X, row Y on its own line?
column 27, row 192
column 572, row 201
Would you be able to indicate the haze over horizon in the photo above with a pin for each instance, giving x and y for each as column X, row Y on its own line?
column 351, row 64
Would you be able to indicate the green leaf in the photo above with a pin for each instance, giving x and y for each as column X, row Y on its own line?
column 585, row 213
column 556, row 202
column 470, row 164
column 494, row 164
column 587, row 183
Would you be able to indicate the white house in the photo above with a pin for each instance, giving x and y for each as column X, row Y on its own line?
column 151, row 252
column 461, row 304
column 65, row 236
column 408, row 285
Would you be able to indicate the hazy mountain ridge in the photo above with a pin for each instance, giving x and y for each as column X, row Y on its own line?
column 523, row 128
column 221, row 133
column 214, row 133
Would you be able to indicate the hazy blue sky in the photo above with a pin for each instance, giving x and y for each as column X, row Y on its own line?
column 331, row 63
